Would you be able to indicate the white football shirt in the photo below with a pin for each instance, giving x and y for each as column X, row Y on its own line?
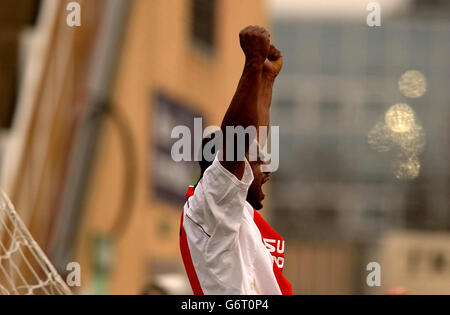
column 225, row 244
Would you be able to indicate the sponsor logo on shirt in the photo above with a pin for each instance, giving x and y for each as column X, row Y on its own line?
column 276, row 249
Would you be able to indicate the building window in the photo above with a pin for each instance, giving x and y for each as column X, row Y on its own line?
column 168, row 178
column 203, row 22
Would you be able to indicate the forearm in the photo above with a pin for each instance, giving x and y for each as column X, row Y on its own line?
column 243, row 111
column 244, row 105
column 246, row 110
column 271, row 69
column 265, row 100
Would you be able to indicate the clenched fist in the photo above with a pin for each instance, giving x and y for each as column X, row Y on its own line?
column 255, row 42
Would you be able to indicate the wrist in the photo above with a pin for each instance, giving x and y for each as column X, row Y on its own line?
column 269, row 77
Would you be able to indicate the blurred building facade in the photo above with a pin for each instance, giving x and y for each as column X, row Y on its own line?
column 327, row 102
column 51, row 96
column 86, row 154
column 88, row 161
column 340, row 78
column 416, row 261
column 169, row 73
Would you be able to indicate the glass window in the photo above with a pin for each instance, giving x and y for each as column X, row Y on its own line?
column 203, row 22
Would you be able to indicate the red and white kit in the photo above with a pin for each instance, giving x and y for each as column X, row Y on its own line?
column 227, row 247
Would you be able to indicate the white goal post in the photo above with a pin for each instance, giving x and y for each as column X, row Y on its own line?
column 24, row 268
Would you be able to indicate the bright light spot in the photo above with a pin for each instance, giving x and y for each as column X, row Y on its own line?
column 411, row 142
column 406, row 167
column 400, row 118
column 412, row 84
column 400, row 131
column 380, row 138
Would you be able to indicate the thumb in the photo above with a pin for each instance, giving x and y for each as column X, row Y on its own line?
column 274, row 53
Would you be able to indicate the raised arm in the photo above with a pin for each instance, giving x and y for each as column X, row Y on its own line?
column 244, row 108
column 271, row 69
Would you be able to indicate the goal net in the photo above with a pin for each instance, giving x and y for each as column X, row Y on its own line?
column 24, row 268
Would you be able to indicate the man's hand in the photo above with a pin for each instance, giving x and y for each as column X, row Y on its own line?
column 255, row 42
column 250, row 105
column 273, row 63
